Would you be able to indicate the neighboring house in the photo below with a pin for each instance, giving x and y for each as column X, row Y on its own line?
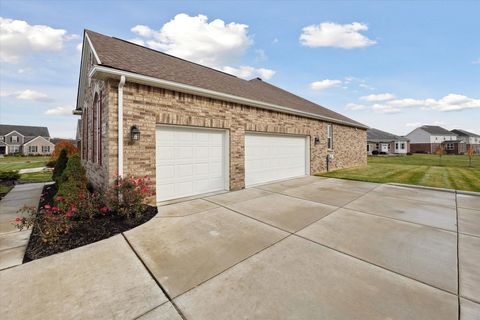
column 472, row 140
column 197, row 130
column 25, row 140
column 388, row 143
column 427, row 139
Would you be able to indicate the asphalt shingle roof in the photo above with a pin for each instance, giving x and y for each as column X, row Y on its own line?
column 436, row 130
column 464, row 133
column 379, row 135
column 126, row 56
column 28, row 131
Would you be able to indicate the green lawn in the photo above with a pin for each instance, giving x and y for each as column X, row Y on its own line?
column 453, row 172
column 17, row 163
column 36, row 177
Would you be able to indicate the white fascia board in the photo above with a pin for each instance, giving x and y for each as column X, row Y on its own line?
column 28, row 142
column 175, row 86
column 13, row 132
column 92, row 48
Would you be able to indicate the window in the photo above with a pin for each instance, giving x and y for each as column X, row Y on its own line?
column 13, row 139
column 450, row 146
column 32, row 149
column 396, row 145
column 99, row 129
column 2, row 138
column 329, row 136
column 14, row 149
column 368, row 147
column 45, row 148
column 402, row 146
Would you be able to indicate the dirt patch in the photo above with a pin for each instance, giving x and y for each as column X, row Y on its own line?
column 82, row 232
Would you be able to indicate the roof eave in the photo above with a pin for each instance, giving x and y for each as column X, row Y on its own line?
column 103, row 72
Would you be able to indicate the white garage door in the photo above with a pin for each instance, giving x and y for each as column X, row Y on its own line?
column 189, row 161
column 273, row 157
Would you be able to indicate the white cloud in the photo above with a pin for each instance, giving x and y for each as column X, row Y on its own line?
column 19, row 39
column 138, row 41
column 453, row 102
column 260, row 55
column 330, row 34
column 275, row 40
column 355, row 106
column 405, row 103
column 450, row 102
column 325, row 84
column 196, row 39
column 247, row 72
column 60, row 111
column 378, row 97
column 476, row 61
column 215, row 44
column 28, row 94
column 384, row 108
column 79, row 47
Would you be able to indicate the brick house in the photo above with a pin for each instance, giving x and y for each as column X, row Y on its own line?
column 25, row 140
column 427, row 139
column 385, row 142
column 197, row 130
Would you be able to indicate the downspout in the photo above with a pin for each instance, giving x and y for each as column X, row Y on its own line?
column 120, row 125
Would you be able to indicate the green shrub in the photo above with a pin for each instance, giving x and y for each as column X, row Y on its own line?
column 60, row 166
column 73, row 180
column 9, row 175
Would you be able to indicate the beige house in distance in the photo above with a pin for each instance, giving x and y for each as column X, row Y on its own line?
column 197, row 130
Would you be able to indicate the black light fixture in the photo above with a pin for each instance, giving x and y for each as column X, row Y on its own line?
column 135, row 133
column 317, row 140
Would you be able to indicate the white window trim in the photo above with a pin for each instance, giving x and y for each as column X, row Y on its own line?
column 329, row 136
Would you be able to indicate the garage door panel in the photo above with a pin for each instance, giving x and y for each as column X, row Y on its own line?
column 189, row 161
column 274, row 157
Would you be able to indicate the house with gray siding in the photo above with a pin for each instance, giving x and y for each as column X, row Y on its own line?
column 25, row 140
column 386, row 143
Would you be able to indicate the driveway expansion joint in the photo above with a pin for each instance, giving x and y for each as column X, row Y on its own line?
column 156, row 281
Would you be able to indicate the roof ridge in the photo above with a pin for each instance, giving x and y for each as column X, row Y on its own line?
column 169, row 55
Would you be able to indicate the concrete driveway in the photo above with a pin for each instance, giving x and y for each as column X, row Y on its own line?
column 308, row 248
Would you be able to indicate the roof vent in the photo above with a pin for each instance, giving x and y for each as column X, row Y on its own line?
column 258, row 78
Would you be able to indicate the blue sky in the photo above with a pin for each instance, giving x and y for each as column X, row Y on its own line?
column 390, row 65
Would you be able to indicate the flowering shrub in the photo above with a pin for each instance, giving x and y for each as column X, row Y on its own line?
column 51, row 221
column 88, row 205
column 128, row 195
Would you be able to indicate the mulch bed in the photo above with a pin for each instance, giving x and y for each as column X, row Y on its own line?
column 82, row 232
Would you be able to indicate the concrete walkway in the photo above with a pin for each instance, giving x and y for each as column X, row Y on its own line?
column 308, row 248
column 33, row 170
column 12, row 241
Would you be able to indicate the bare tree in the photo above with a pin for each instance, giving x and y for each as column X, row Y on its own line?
column 470, row 153
column 440, row 152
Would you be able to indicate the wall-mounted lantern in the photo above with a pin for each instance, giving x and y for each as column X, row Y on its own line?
column 134, row 133
column 317, row 140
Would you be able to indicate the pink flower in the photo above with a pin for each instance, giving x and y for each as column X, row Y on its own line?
column 73, row 209
column 18, row 219
column 54, row 218
column 69, row 213
column 47, row 206
column 104, row 209
column 54, row 209
column 59, row 198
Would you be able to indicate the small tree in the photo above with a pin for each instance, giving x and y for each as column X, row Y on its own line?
column 73, row 181
column 470, row 153
column 64, row 144
column 440, row 152
column 60, row 165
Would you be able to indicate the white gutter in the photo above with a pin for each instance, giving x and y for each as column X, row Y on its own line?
column 175, row 86
column 120, row 125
